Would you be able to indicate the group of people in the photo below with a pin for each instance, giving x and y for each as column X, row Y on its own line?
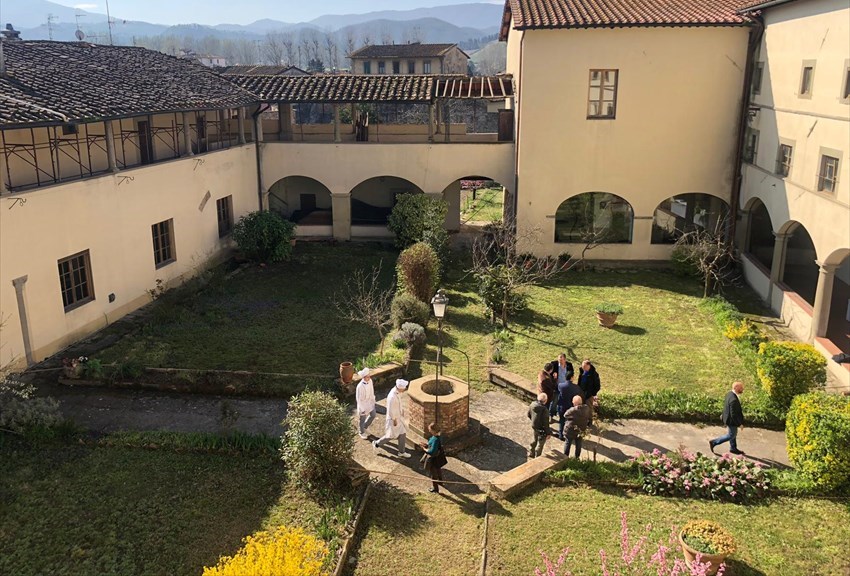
column 396, row 425
column 569, row 397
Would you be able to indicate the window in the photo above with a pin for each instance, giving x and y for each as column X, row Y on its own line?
column 382, row 67
column 367, row 67
column 163, row 244
column 396, row 67
column 224, row 209
column 758, row 75
column 426, row 67
column 828, row 176
column 69, row 129
column 602, row 94
column 807, row 78
column 751, row 146
column 597, row 217
column 783, row 159
column 75, row 280
column 411, row 67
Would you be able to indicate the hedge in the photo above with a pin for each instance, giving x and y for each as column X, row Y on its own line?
column 818, row 435
column 787, row 369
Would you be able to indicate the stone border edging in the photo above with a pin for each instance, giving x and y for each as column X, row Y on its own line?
column 483, row 570
column 346, row 546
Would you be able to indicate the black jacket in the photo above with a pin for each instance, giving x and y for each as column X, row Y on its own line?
column 570, row 371
column 733, row 415
column 589, row 382
column 539, row 415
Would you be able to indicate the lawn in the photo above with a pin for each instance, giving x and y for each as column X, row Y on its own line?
column 487, row 205
column 419, row 534
column 70, row 509
column 791, row 537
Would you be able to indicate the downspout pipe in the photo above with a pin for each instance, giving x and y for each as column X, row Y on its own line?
column 517, row 108
column 254, row 116
column 756, row 33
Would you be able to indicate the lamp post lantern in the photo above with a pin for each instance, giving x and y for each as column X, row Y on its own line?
column 440, row 302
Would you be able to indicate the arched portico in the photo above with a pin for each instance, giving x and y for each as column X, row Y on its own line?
column 760, row 239
column 476, row 197
column 686, row 212
column 305, row 201
column 594, row 217
column 372, row 202
column 799, row 263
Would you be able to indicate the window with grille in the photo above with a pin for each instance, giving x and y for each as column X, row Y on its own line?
column 367, row 67
column 783, row 159
column 75, row 280
column 828, row 177
column 426, row 67
column 602, row 94
column 751, row 146
column 382, row 67
column 411, row 67
column 163, row 242
column 224, row 209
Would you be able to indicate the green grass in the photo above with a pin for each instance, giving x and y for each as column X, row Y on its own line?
column 71, row 509
column 787, row 536
column 422, row 534
column 487, row 206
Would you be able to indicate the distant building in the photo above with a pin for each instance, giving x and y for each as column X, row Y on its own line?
column 210, row 60
column 415, row 58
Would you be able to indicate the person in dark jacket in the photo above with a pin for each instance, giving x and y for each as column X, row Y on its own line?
column 547, row 385
column 588, row 381
column 733, row 418
column 539, row 416
column 566, row 392
column 577, row 418
column 434, row 457
column 562, row 371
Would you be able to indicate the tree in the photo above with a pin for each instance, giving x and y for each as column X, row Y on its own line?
column 364, row 300
column 504, row 270
column 273, row 50
column 288, row 47
column 710, row 253
column 331, row 50
column 350, row 45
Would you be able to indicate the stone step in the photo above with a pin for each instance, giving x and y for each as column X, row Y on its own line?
column 513, row 382
column 524, row 475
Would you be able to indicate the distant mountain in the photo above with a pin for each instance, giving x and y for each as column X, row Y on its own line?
column 429, row 30
column 32, row 13
column 259, row 27
column 461, row 15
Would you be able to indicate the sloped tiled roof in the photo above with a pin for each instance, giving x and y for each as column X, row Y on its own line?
column 50, row 82
column 402, row 51
column 258, row 70
column 338, row 88
column 543, row 14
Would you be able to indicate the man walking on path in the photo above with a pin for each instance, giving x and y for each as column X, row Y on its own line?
column 733, row 418
column 539, row 416
column 365, row 395
column 396, row 424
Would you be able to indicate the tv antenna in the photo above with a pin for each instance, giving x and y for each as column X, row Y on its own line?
column 109, row 22
column 80, row 35
column 50, row 20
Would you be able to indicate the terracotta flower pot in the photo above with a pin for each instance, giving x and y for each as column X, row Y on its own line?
column 606, row 320
column 715, row 560
column 346, row 372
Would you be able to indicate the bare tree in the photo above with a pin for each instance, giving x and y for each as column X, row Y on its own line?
column 350, row 46
column 386, row 35
column 288, row 47
column 331, row 50
column 364, row 300
column 303, row 48
column 273, row 49
column 710, row 252
column 246, row 52
column 366, row 37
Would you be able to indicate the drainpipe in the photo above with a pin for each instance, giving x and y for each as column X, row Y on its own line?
column 755, row 36
column 515, row 203
column 258, row 139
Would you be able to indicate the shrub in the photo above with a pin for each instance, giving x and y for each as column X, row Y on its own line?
column 722, row 310
column 609, row 308
column 498, row 289
column 279, row 552
column 410, row 334
column 408, row 308
column 682, row 262
column 818, row 435
column 21, row 411
column 420, row 218
column 93, row 369
column 686, row 474
column 317, row 442
column 418, row 271
column 264, row 236
column 375, row 359
column 787, row 369
column 708, row 537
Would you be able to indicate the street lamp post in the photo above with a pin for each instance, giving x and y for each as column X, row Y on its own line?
column 440, row 301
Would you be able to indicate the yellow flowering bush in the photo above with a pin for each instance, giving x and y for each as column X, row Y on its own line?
column 787, row 369
column 281, row 552
column 744, row 331
column 818, row 435
column 708, row 537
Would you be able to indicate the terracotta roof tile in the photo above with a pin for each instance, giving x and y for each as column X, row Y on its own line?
column 338, row 88
column 537, row 14
column 402, row 51
column 50, row 82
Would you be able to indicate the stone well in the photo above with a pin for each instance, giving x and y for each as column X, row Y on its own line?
column 453, row 401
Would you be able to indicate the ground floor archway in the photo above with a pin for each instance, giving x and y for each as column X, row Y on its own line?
column 800, row 270
column 760, row 242
column 838, row 322
column 303, row 200
column 687, row 212
column 372, row 200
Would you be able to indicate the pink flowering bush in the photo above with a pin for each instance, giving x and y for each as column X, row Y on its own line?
column 684, row 473
column 635, row 558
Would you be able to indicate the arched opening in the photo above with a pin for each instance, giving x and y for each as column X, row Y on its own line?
column 838, row 324
column 800, row 272
column 373, row 200
column 685, row 213
column 302, row 200
column 598, row 217
column 474, row 200
column 760, row 241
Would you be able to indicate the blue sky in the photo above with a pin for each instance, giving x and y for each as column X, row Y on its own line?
column 245, row 11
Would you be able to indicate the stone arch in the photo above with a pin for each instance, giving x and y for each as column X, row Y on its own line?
column 687, row 212
column 800, row 268
column 472, row 198
column 373, row 199
column 605, row 217
column 760, row 241
column 302, row 199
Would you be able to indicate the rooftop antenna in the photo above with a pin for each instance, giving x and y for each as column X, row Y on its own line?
column 80, row 35
column 109, row 22
column 77, row 16
column 50, row 20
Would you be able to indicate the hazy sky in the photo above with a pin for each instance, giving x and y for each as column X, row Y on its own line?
column 245, row 11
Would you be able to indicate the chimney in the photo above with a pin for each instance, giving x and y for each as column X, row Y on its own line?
column 2, row 60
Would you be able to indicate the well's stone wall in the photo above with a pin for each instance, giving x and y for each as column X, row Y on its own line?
column 451, row 410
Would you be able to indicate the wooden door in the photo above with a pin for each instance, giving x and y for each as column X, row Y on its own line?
column 145, row 142
column 506, row 125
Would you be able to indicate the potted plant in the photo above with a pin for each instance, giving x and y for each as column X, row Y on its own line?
column 708, row 539
column 73, row 367
column 606, row 314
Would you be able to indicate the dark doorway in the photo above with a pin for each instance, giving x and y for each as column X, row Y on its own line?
column 308, row 203
column 506, row 125
column 145, row 142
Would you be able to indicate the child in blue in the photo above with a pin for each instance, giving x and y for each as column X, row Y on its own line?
column 435, row 458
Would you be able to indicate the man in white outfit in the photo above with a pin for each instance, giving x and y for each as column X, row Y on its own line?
column 396, row 424
column 365, row 395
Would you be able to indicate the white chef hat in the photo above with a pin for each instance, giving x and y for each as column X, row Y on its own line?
column 365, row 372
column 401, row 383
